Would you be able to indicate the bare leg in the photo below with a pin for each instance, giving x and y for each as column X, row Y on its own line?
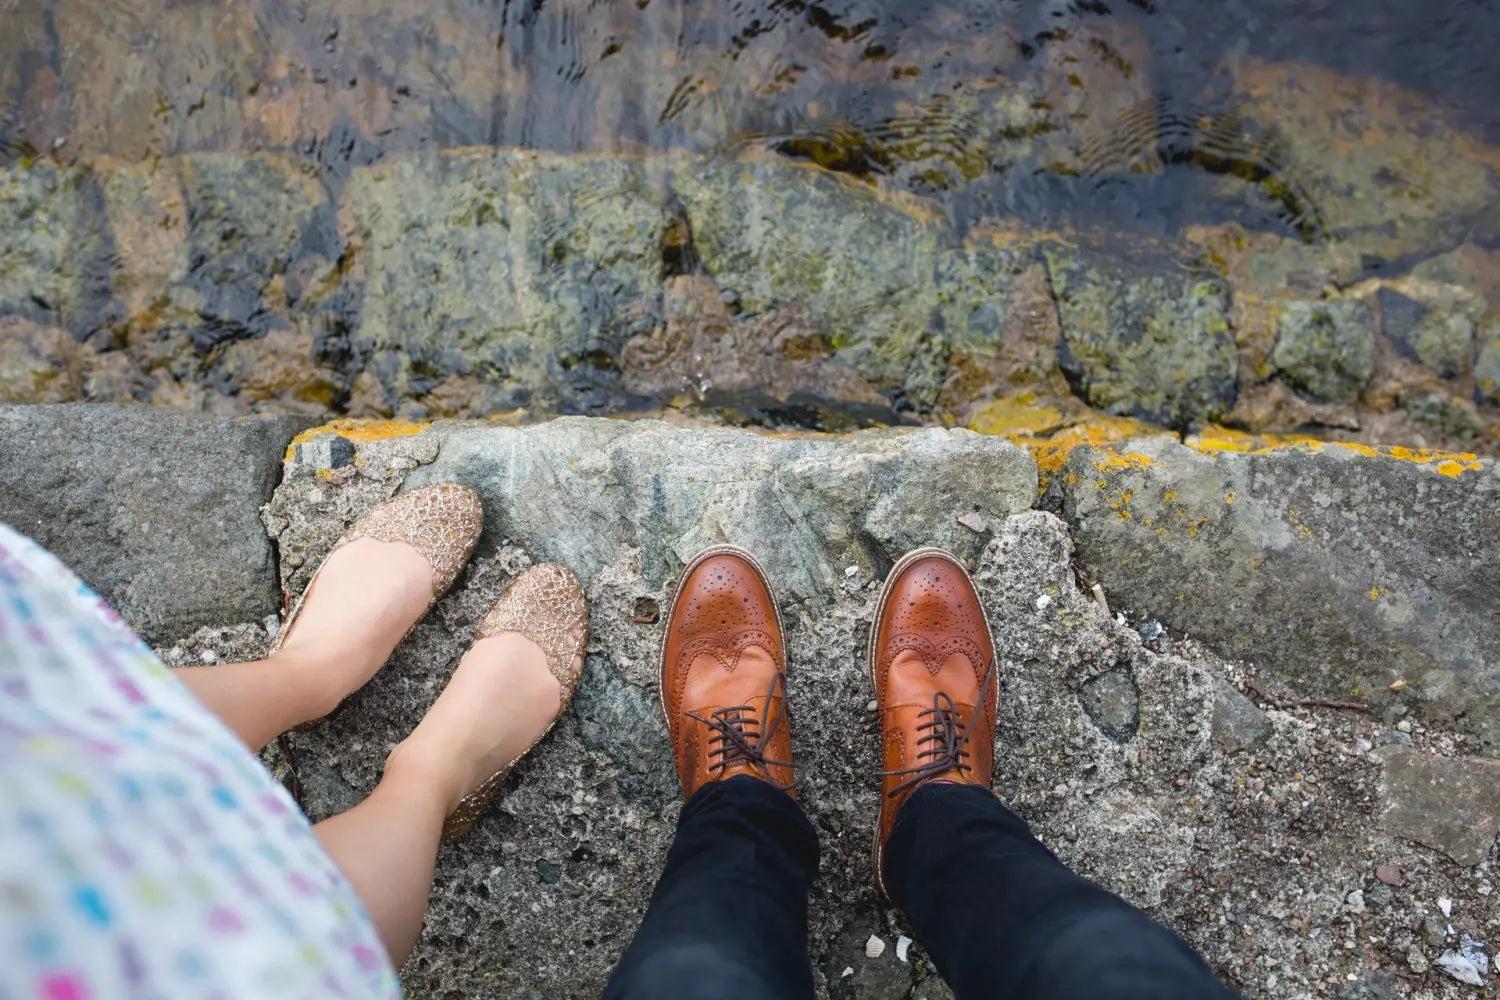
column 500, row 699
column 365, row 599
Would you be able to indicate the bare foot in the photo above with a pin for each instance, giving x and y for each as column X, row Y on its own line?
column 366, row 597
column 500, row 701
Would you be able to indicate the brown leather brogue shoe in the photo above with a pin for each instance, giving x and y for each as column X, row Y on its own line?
column 933, row 663
column 723, row 674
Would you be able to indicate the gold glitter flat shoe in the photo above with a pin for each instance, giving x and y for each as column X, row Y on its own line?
column 442, row 522
column 547, row 606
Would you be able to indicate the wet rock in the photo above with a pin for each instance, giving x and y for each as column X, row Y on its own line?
column 776, row 234
column 1326, row 349
column 1449, row 804
column 38, row 364
column 774, row 364
column 811, row 505
column 1487, row 365
column 525, row 269
column 51, row 253
column 280, row 372
column 178, row 87
column 157, row 511
column 1002, row 332
column 1238, row 724
column 1253, row 554
column 1455, row 419
column 1439, row 332
column 145, row 207
column 249, row 218
column 1147, row 344
column 1113, row 702
column 1368, row 162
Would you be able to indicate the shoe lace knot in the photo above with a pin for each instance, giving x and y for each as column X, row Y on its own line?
column 736, row 736
column 943, row 746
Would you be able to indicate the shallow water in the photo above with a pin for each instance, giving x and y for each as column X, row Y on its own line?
column 886, row 89
column 1133, row 120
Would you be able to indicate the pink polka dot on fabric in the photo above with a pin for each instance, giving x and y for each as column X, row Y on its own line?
column 63, row 986
column 225, row 921
column 367, row 958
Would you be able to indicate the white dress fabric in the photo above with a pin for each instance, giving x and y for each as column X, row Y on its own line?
column 144, row 852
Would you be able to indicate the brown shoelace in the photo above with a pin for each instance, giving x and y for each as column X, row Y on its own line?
column 945, row 747
column 737, row 736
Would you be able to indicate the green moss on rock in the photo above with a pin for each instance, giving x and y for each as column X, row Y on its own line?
column 1326, row 350
column 778, row 234
column 52, row 251
column 1147, row 344
column 501, row 263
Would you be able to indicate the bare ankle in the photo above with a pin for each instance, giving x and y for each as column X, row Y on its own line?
column 309, row 679
column 419, row 762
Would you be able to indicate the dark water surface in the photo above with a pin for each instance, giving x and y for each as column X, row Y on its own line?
column 1339, row 140
column 900, row 90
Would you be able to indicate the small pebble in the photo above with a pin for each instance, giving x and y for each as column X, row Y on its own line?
column 1404, row 725
column 851, row 571
column 1389, row 874
column 209, row 656
column 1061, row 791
column 1042, row 602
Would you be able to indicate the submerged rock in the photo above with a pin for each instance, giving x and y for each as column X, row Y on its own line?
column 778, row 234
column 52, row 255
column 1326, row 349
column 1370, row 162
column 1143, row 343
column 515, row 267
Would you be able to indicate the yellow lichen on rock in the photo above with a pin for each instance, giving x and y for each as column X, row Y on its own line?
column 359, row 431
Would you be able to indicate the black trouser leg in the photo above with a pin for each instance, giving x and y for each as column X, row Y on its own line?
column 729, row 915
column 1003, row 919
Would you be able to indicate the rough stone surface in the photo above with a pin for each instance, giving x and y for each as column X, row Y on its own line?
column 513, row 266
column 1326, row 349
column 1339, row 572
column 1450, row 805
column 1113, row 702
column 156, row 510
column 1252, row 856
column 1143, row 344
column 814, row 506
column 1239, row 724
